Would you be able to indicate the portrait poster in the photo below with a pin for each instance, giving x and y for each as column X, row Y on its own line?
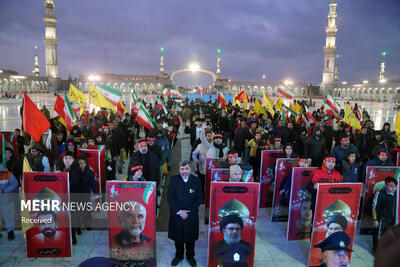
column 210, row 164
column 281, row 197
column 336, row 209
column 96, row 160
column 233, row 218
column 223, row 175
column 132, row 221
column 267, row 169
column 300, row 213
column 374, row 181
column 49, row 228
column 10, row 141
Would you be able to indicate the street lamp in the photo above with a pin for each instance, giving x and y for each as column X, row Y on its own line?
column 263, row 77
column 365, row 81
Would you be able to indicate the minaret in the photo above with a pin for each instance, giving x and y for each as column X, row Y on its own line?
column 50, row 40
column 162, row 49
column 336, row 79
column 36, row 71
column 218, row 64
column 330, row 47
column 382, row 72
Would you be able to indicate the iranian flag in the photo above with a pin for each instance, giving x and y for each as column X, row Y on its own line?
column 161, row 106
column 64, row 109
column 331, row 112
column 331, row 101
column 285, row 113
column 286, row 93
column 143, row 118
column 177, row 94
column 166, row 91
column 309, row 116
column 201, row 91
column 111, row 94
column 221, row 98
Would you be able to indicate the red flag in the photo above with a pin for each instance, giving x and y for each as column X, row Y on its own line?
column 241, row 96
column 35, row 123
column 285, row 93
column 201, row 91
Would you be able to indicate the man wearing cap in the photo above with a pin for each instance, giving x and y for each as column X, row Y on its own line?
column 231, row 227
column 184, row 198
column 149, row 161
column 37, row 161
column 341, row 151
column 218, row 149
column 335, row 250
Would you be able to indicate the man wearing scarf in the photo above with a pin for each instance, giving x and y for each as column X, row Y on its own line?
column 218, row 149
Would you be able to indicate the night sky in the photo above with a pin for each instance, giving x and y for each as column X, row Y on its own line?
column 281, row 38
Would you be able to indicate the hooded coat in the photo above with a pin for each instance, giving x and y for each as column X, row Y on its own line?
column 315, row 148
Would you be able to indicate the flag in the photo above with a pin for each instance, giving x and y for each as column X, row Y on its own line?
column 75, row 95
column 201, row 91
column 350, row 118
column 121, row 108
column 221, row 98
column 268, row 105
column 176, row 93
column 279, row 104
column 286, row 93
column 298, row 108
column 237, row 102
column 397, row 124
column 144, row 119
column 64, row 109
column 34, row 122
column 358, row 112
column 98, row 99
column 161, row 106
column 291, row 111
column 309, row 116
column 242, row 96
column 259, row 108
column 331, row 101
column 112, row 95
column 331, row 112
column 246, row 103
column 166, row 91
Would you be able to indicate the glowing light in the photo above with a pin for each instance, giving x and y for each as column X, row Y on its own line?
column 264, row 76
column 344, row 82
column 288, row 82
column 94, row 77
column 382, row 81
column 219, row 51
column 162, row 49
column 17, row 77
column 194, row 67
column 384, row 53
column 365, row 81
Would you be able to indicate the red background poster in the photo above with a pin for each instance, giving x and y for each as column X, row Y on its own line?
column 53, row 186
column 374, row 181
column 96, row 160
column 233, row 198
column 300, row 214
column 268, row 158
column 283, row 170
column 141, row 195
column 221, row 175
column 334, row 199
column 210, row 164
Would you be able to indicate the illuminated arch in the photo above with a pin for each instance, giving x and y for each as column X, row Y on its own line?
column 212, row 74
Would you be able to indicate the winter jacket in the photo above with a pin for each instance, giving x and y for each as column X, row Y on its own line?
column 384, row 205
column 351, row 173
column 322, row 175
column 341, row 154
column 315, row 148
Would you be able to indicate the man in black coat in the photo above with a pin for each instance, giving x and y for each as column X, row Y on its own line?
column 184, row 198
column 150, row 162
column 315, row 147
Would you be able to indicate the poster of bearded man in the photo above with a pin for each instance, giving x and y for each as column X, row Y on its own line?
column 131, row 225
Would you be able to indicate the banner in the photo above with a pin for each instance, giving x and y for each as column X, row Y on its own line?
column 336, row 209
column 300, row 213
column 132, row 225
column 233, row 218
column 281, row 197
column 268, row 158
column 210, row 164
column 96, row 159
column 374, row 181
column 51, row 234
column 223, row 175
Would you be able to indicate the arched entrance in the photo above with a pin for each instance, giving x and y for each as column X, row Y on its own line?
column 212, row 74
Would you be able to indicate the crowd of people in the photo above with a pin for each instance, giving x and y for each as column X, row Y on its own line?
column 238, row 136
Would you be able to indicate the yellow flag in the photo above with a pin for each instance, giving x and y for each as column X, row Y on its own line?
column 291, row 106
column 237, row 102
column 279, row 104
column 397, row 124
column 123, row 107
column 25, row 166
column 350, row 118
column 75, row 95
column 298, row 108
column 98, row 99
column 259, row 108
column 245, row 103
column 268, row 105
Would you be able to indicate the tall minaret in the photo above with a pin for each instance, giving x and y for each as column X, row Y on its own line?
column 50, row 40
column 330, row 47
column 382, row 72
column 336, row 78
column 162, row 49
column 218, row 64
column 36, row 71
